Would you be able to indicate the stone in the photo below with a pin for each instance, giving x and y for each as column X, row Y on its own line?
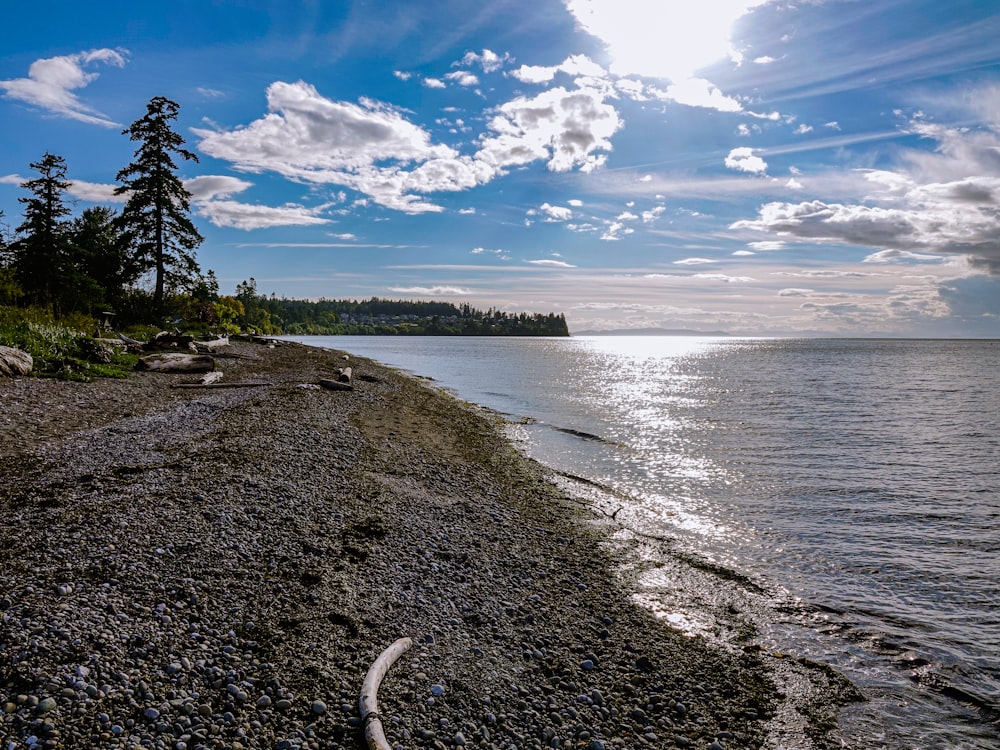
column 46, row 704
column 318, row 707
column 14, row 362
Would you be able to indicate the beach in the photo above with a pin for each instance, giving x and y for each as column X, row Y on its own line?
column 218, row 568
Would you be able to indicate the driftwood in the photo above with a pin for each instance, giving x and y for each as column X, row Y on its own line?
column 208, row 347
column 176, row 362
column 14, row 362
column 169, row 340
column 335, row 385
column 368, row 702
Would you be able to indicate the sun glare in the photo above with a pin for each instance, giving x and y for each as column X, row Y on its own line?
column 664, row 39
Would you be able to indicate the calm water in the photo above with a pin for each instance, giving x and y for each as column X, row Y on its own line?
column 855, row 482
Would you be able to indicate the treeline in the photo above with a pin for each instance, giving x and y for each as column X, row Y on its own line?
column 375, row 316
column 139, row 263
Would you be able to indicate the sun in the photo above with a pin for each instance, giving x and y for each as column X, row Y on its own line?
column 662, row 38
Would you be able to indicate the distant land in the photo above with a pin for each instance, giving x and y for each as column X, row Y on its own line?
column 650, row 332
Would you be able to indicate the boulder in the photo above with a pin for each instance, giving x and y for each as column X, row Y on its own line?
column 14, row 362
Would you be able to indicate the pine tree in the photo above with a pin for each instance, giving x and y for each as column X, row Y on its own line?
column 42, row 255
column 155, row 218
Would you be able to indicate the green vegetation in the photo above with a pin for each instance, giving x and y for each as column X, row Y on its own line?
column 61, row 351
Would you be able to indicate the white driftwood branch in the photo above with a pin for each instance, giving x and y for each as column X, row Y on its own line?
column 368, row 702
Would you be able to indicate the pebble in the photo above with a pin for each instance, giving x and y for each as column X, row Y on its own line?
column 318, row 707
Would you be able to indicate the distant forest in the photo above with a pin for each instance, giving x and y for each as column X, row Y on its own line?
column 385, row 317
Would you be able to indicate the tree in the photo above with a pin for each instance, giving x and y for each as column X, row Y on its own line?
column 103, row 255
column 155, row 218
column 42, row 256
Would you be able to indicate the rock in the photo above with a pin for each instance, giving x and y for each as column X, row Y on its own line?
column 14, row 362
column 318, row 707
column 46, row 704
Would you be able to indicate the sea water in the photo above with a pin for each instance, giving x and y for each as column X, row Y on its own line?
column 844, row 495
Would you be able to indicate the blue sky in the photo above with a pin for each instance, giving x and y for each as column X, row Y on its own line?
column 753, row 166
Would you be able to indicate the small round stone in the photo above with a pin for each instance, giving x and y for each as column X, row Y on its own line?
column 318, row 707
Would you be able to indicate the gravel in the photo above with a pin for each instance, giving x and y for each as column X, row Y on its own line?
column 218, row 568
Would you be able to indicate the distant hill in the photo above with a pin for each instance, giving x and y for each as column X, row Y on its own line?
column 650, row 332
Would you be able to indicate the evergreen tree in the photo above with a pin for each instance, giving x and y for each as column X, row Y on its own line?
column 103, row 255
column 42, row 255
column 155, row 218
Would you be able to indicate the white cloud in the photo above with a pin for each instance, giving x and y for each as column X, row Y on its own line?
column 802, row 129
column 574, row 202
column 209, row 187
column 489, row 60
column 555, row 213
column 563, row 127
column 95, row 192
column 432, row 291
column 346, row 236
column 793, row 184
column 549, row 263
column 626, row 216
column 697, row 92
column 743, row 160
column 467, row 211
column 768, row 245
column 574, row 65
column 51, row 82
column 229, row 213
column 463, row 78
column 694, row 262
column 210, row 93
column 435, row 83
column 652, row 214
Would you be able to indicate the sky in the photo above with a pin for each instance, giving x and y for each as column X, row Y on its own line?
column 759, row 167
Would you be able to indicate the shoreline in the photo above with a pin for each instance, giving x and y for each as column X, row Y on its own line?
column 219, row 568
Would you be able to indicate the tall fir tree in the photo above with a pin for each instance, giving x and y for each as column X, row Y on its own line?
column 42, row 255
column 155, row 219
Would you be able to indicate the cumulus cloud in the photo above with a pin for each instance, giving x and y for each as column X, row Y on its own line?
column 435, row 83
column 563, row 127
column 372, row 147
column 488, row 60
column 463, row 78
column 555, row 213
column 51, row 82
column 742, row 159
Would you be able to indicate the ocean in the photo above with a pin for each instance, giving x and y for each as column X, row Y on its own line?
column 842, row 496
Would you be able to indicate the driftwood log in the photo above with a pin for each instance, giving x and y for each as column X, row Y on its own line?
column 14, row 362
column 207, row 347
column 176, row 362
column 335, row 385
column 368, row 702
